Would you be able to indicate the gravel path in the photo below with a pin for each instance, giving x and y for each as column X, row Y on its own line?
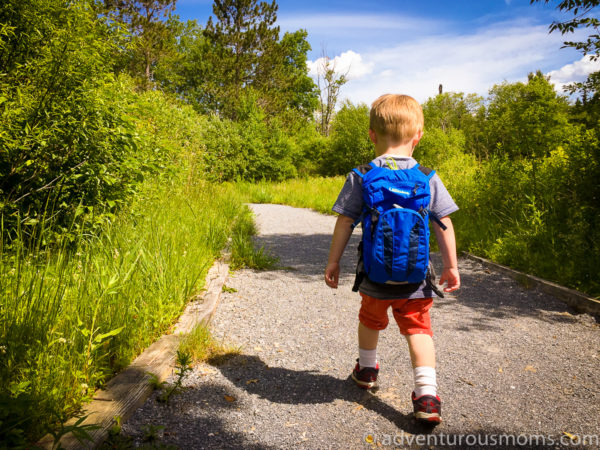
column 510, row 361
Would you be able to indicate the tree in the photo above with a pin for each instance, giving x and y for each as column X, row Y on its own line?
column 241, row 34
column 456, row 111
column 152, row 36
column 526, row 119
column 451, row 110
column 187, row 71
column 581, row 10
column 283, row 81
column 329, row 83
column 239, row 55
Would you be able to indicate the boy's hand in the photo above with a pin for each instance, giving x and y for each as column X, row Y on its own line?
column 332, row 275
column 451, row 277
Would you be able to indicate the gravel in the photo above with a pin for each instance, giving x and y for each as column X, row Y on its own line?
column 511, row 361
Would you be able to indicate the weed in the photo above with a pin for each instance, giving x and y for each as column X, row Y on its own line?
column 228, row 289
column 78, row 429
column 152, row 432
column 202, row 346
column 154, row 382
column 182, row 367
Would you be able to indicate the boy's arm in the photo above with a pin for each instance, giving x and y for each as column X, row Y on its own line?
column 447, row 243
column 341, row 235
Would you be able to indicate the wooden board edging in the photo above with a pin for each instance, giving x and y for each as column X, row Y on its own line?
column 129, row 389
column 577, row 300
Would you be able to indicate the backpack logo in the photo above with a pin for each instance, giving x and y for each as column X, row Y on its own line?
column 395, row 222
column 399, row 191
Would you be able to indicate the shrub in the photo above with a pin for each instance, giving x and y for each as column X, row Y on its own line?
column 349, row 144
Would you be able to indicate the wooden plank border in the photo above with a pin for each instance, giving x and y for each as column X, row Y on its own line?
column 578, row 300
column 128, row 390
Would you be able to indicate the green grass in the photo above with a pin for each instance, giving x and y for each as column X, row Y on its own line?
column 243, row 251
column 317, row 193
column 202, row 346
column 71, row 317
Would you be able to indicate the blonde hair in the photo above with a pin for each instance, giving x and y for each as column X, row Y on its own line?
column 397, row 117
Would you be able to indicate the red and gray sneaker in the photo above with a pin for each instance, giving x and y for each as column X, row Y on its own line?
column 428, row 409
column 366, row 377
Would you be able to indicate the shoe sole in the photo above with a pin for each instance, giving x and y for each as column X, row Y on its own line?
column 364, row 384
column 428, row 418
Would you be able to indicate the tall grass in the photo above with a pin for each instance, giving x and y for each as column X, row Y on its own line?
column 73, row 315
column 317, row 193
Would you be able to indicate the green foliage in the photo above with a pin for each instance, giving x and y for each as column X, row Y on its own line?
column 243, row 252
column 151, row 37
column 290, row 91
column 79, row 430
column 526, row 120
column 582, row 11
column 242, row 32
column 533, row 207
column 186, row 71
column 182, row 368
column 451, row 110
column 349, row 144
column 457, row 111
column 251, row 148
column 239, row 54
column 66, row 148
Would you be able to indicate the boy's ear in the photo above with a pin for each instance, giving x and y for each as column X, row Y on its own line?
column 417, row 138
column 372, row 136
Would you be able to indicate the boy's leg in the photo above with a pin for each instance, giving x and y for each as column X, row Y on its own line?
column 422, row 350
column 422, row 356
column 413, row 319
column 372, row 318
column 367, row 346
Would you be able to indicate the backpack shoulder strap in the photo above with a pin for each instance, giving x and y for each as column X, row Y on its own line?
column 426, row 171
column 363, row 169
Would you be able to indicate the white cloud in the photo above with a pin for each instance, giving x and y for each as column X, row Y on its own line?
column 349, row 63
column 574, row 72
column 472, row 62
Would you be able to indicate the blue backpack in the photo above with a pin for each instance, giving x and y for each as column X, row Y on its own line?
column 395, row 222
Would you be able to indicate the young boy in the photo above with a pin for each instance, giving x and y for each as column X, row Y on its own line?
column 396, row 126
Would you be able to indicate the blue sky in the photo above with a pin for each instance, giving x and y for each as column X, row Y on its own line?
column 413, row 46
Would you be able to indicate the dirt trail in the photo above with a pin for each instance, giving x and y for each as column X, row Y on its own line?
column 511, row 361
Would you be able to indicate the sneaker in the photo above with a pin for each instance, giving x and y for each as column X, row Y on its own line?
column 366, row 377
column 428, row 409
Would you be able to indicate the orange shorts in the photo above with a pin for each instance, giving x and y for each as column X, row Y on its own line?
column 412, row 315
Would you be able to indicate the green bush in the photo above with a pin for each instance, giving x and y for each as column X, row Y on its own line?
column 253, row 148
column 64, row 147
column 349, row 144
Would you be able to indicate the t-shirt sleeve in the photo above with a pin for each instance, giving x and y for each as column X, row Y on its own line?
column 442, row 203
column 349, row 201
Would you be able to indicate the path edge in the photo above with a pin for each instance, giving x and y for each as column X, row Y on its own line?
column 577, row 300
column 130, row 388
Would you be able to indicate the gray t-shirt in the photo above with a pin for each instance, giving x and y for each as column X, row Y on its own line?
column 350, row 203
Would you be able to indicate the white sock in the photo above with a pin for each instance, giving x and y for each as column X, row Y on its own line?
column 425, row 383
column 367, row 358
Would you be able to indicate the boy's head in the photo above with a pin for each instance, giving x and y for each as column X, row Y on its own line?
column 396, row 117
